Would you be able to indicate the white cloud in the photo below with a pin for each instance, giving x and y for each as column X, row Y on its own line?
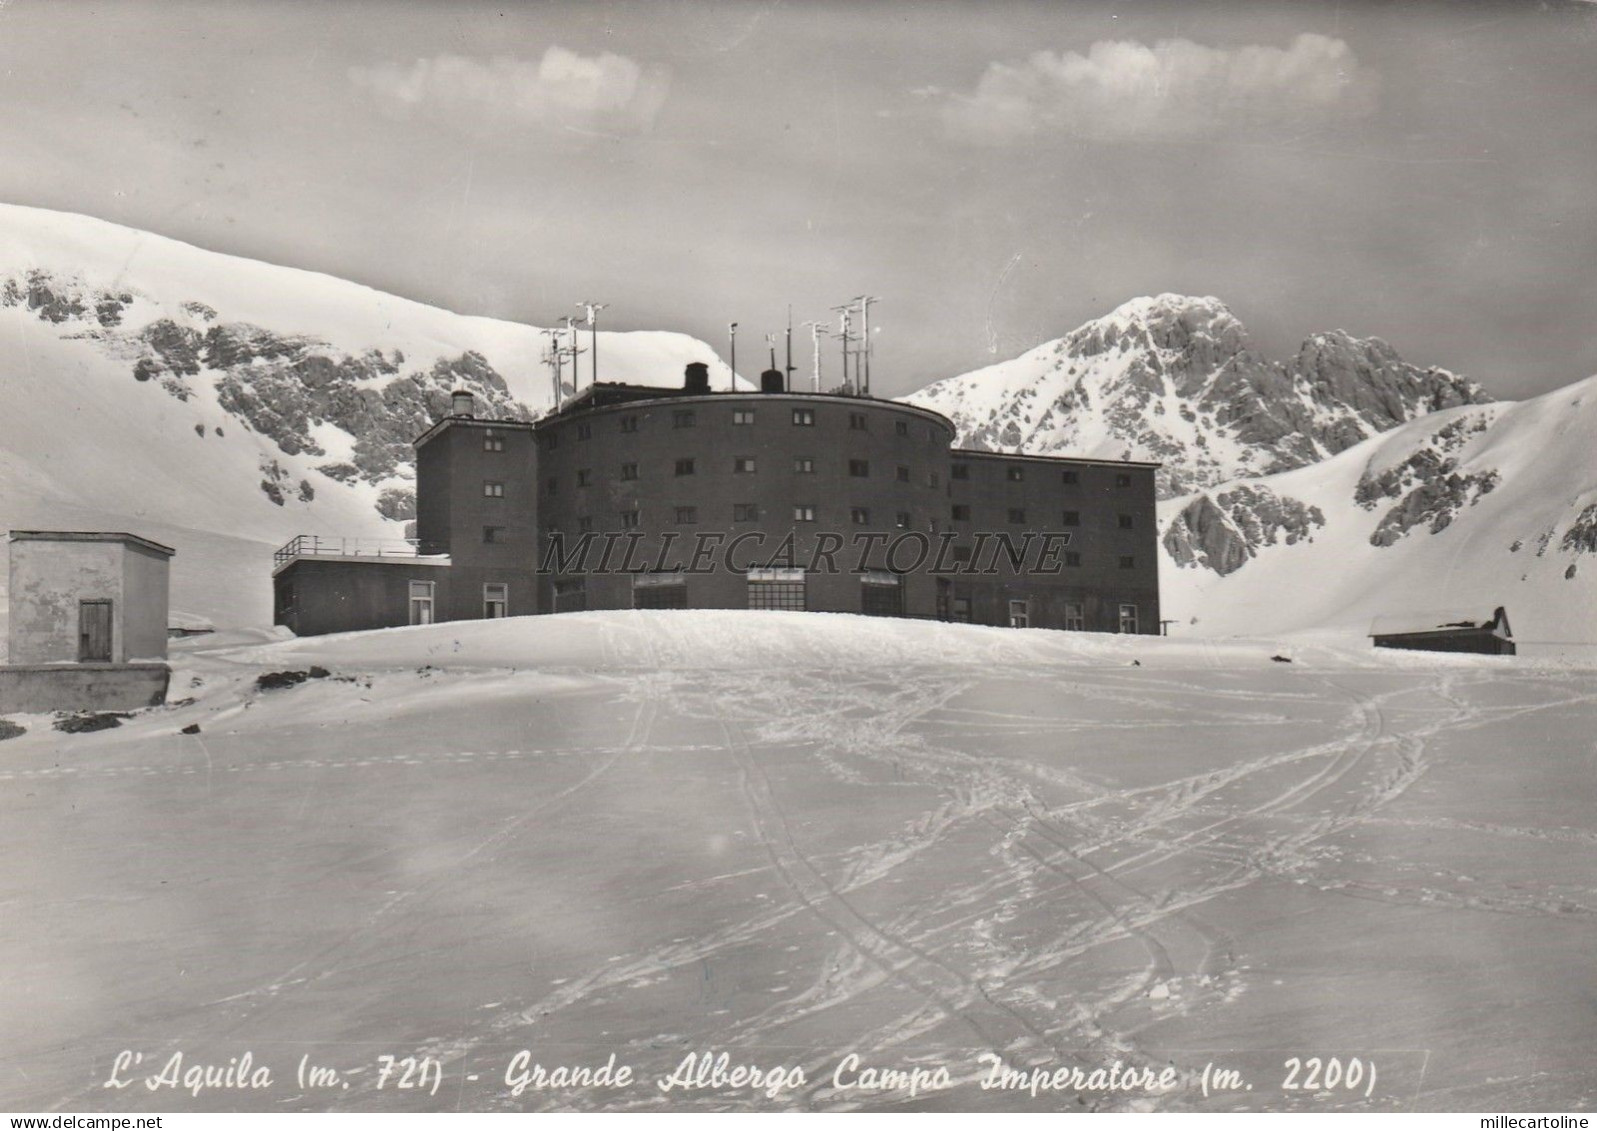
column 606, row 93
column 1124, row 89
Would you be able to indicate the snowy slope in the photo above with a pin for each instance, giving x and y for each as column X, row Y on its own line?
column 225, row 405
column 1173, row 378
column 796, row 836
column 1468, row 508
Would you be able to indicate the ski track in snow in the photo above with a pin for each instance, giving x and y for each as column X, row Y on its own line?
column 1024, row 954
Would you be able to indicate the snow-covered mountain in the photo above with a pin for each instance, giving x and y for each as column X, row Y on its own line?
column 1466, row 509
column 1173, row 378
column 224, row 405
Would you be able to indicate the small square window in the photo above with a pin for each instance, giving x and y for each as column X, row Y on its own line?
column 1122, row 480
column 687, row 516
column 859, row 468
column 903, row 474
column 901, row 427
column 857, row 422
column 682, row 418
column 931, row 479
column 1070, row 479
column 1071, row 518
column 493, row 534
column 1128, row 561
column 584, row 431
column 860, row 516
column 629, row 424
column 1015, row 473
column 493, row 442
column 902, row 520
column 684, row 467
column 743, row 465
column 804, row 417
column 959, row 471
column 1017, row 514
column 1073, row 558
column 961, row 512
column 629, row 471
column 1075, row 616
column 803, row 465
column 1125, row 521
column 804, row 512
column 629, row 519
column 584, row 524
column 745, row 512
column 492, row 489
column 585, row 477
column 743, row 416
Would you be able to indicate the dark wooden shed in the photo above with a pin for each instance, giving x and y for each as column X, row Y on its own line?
column 1445, row 632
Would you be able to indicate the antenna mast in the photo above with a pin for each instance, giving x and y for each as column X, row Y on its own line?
column 732, row 337
column 815, row 347
column 569, row 324
column 552, row 358
column 592, row 309
column 787, row 370
column 865, row 338
column 845, row 315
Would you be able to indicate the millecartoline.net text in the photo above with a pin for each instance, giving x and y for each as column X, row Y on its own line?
column 829, row 552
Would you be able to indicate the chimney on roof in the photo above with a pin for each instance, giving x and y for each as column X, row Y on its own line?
column 696, row 377
column 462, row 404
column 771, row 381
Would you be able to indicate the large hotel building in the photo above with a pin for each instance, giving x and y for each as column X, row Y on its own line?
column 640, row 497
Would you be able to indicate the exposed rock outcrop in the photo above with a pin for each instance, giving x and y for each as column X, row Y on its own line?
column 1222, row 533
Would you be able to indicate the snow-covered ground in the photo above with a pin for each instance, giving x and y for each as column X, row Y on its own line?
column 794, row 836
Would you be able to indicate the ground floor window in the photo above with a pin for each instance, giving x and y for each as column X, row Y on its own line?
column 495, row 600
column 1020, row 614
column 1075, row 616
column 571, row 595
column 1128, row 618
column 665, row 591
column 776, row 589
column 421, row 602
column 881, row 593
column 962, row 610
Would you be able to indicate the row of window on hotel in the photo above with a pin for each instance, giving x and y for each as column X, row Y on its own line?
column 768, row 589
column 859, row 516
column 688, row 418
column 802, row 465
column 748, row 512
column 745, row 465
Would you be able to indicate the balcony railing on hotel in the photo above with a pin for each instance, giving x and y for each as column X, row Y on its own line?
column 313, row 545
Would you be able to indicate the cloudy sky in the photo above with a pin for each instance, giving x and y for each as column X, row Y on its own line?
column 997, row 172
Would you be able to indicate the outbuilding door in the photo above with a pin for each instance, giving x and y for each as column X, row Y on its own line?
column 94, row 632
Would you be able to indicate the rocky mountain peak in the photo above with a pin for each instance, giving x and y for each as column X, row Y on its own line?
column 1174, row 378
column 1168, row 322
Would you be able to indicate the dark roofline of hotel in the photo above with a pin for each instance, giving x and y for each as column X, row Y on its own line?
column 650, row 396
column 973, row 453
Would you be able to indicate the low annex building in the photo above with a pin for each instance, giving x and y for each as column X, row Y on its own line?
column 642, row 497
column 87, row 621
column 1445, row 632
